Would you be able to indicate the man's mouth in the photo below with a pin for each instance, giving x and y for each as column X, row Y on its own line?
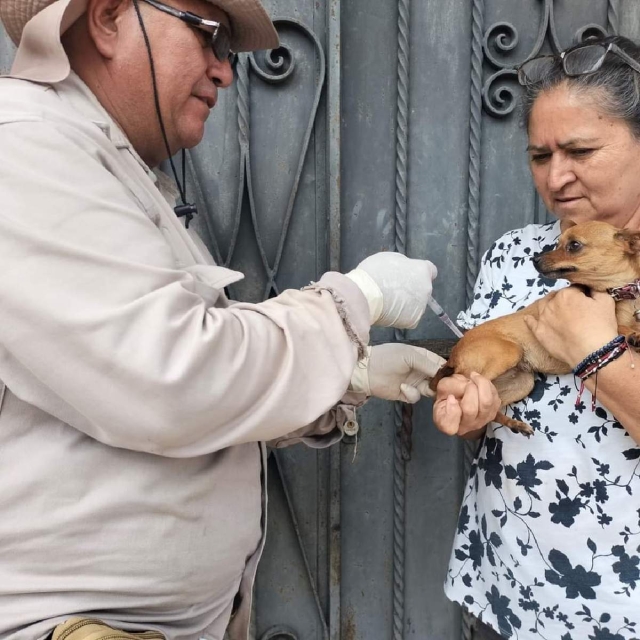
column 210, row 101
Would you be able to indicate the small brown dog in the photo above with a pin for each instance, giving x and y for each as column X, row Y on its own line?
column 595, row 255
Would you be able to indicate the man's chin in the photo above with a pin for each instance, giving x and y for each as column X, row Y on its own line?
column 192, row 138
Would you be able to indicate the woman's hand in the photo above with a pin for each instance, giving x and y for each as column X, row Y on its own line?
column 571, row 325
column 464, row 406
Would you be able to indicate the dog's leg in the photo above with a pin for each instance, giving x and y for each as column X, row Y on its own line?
column 513, row 386
column 495, row 358
column 491, row 357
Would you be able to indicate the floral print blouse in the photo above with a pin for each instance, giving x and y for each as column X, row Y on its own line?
column 548, row 537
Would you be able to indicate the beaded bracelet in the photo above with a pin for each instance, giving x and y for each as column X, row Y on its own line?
column 596, row 361
column 616, row 352
column 593, row 358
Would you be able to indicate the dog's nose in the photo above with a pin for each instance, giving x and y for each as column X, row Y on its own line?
column 537, row 262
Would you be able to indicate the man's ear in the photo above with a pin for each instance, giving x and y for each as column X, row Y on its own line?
column 630, row 240
column 104, row 21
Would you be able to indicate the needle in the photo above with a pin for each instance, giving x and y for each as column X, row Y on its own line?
column 439, row 311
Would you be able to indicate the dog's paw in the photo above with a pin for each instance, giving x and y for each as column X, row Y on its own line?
column 516, row 426
column 522, row 427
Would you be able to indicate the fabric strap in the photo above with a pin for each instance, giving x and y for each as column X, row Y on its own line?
column 91, row 629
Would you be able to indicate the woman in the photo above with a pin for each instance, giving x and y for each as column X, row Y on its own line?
column 547, row 543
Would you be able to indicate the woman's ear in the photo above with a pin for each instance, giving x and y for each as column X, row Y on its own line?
column 630, row 240
column 104, row 23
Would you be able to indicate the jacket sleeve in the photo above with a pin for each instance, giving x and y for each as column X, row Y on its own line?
column 328, row 428
column 100, row 328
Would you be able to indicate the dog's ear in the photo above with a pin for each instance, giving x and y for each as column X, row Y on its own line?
column 567, row 224
column 630, row 240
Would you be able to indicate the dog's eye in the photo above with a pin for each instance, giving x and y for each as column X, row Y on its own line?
column 574, row 246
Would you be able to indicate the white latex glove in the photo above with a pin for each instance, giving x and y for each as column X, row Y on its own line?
column 397, row 288
column 396, row 372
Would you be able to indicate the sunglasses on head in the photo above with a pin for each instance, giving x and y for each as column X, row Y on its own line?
column 217, row 35
column 577, row 61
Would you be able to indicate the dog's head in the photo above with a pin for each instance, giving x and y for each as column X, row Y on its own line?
column 594, row 254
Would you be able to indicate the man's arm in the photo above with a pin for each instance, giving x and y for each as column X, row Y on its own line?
column 99, row 327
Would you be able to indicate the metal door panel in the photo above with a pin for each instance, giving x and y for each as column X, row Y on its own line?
column 379, row 125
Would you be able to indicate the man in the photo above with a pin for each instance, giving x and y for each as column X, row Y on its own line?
column 134, row 397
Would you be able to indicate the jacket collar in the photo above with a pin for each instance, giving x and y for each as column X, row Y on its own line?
column 73, row 91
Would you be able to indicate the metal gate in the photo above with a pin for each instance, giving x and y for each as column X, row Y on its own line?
column 378, row 125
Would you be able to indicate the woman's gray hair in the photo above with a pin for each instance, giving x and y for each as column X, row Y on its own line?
column 615, row 85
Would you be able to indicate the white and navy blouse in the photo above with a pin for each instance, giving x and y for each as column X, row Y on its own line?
column 548, row 538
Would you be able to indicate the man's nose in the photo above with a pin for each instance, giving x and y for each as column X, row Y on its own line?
column 220, row 73
column 560, row 173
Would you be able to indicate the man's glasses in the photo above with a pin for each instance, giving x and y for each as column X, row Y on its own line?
column 578, row 61
column 217, row 35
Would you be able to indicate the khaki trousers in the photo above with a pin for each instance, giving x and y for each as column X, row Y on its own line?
column 90, row 629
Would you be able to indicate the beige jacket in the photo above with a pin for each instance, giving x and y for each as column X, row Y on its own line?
column 132, row 393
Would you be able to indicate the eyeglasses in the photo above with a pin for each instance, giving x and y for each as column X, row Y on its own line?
column 217, row 35
column 577, row 61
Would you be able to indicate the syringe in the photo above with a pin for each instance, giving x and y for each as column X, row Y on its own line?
column 440, row 312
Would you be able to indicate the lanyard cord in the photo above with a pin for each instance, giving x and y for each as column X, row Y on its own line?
column 185, row 209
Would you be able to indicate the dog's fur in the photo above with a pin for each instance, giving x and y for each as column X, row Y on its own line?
column 595, row 255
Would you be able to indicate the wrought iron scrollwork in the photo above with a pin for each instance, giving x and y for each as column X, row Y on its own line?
column 589, row 31
column 501, row 38
column 497, row 94
column 273, row 67
column 499, row 99
column 279, row 63
column 282, row 62
column 279, row 633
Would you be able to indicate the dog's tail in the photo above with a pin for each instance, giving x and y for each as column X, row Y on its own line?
column 444, row 372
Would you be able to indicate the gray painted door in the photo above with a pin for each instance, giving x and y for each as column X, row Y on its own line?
column 379, row 124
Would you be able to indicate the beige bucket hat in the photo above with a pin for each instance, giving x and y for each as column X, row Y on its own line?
column 36, row 26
